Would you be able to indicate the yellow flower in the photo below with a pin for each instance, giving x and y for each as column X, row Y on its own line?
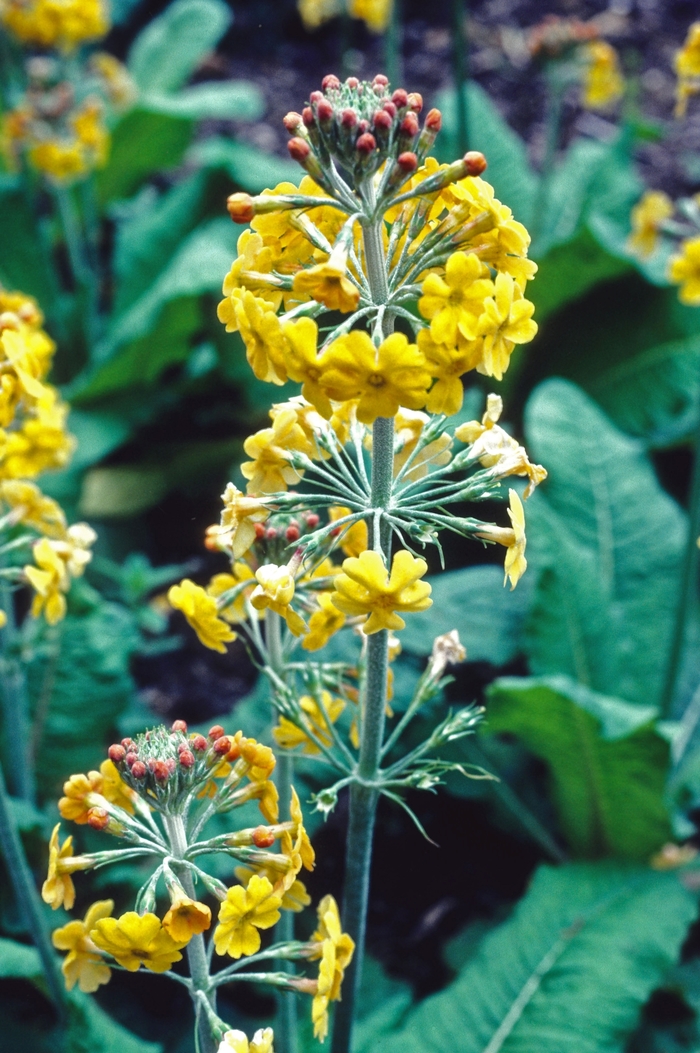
column 497, row 450
column 513, row 538
column 506, row 321
column 50, row 580
column 316, row 719
column 262, row 335
column 243, row 912
column 234, row 612
column 186, row 918
column 603, row 83
column 119, row 86
column 83, row 964
column 376, row 13
column 455, row 303
column 354, row 538
column 237, row 1042
column 62, row 24
column 315, row 12
column 684, row 270
column 41, row 443
column 336, row 951
column 61, row 160
column 238, row 519
column 275, row 589
column 249, row 270
column 447, row 364
column 409, row 426
column 382, row 378
column 19, row 352
column 134, row 940
column 81, row 793
column 366, row 587
column 58, row 889
column 303, row 364
column 301, row 851
column 74, row 547
column 328, row 283
column 687, row 60
column 33, row 508
column 270, row 471
column 647, row 217
column 323, row 623
column 114, row 789
column 201, row 612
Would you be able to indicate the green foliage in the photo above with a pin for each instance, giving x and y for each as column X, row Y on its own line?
column 607, row 762
column 142, row 143
column 26, row 267
column 560, row 975
column 168, row 51
column 246, row 165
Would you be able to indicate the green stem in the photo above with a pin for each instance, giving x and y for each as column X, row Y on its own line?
column 460, row 72
column 556, row 87
column 16, row 703
column 28, row 900
column 392, row 46
column 83, row 274
column 687, row 586
column 196, row 950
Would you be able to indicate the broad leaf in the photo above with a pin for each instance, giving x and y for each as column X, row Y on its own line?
column 606, row 547
column 249, row 167
column 569, row 270
column 606, row 761
column 19, row 961
column 230, row 100
column 143, row 142
column 167, row 52
column 488, row 617
column 568, row 973
column 24, row 264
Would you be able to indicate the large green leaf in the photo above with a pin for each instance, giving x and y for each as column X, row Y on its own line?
column 167, row 52
column 607, row 763
column 488, row 617
column 248, row 166
column 23, row 264
column 143, row 142
column 569, row 270
column 568, row 973
column 229, row 100
column 606, row 548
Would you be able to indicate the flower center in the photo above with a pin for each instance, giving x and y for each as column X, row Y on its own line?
column 376, row 380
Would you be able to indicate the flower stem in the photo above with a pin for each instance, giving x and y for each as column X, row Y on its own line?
column 460, row 67
column 28, row 900
column 16, row 702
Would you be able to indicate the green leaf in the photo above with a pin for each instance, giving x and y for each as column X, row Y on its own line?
column 230, row 100
column 19, row 961
column 91, row 1029
column 606, row 545
column 606, row 761
column 568, row 973
column 488, row 617
column 569, row 270
column 24, row 265
column 167, row 52
column 121, row 491
column 250, row 168
column 96, row 434
column 143, row 142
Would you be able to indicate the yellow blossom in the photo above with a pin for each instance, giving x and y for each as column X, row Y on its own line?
column 328, row 283
column 237, row 1042
column 409, row 426
column 81, row 793
column 513, row 538
column 40, row 444
column 506, row 321
column 83, row 964
column 270, row 471
column 366, row 587
column 275, row 590
column 603, row 82
column 447, row 364
column 114, row 789
column 262, row 335
column 315, row 720
column 252, row 269
column 236, row 611
column 62, row 160
column 354, row 538
column 684, row 270
column 336, row 950
column 186, row 918
column 647, row 217
column 243, row 913
column 62, row 24
column 34, row 508
column 323, row 623
column 74, row 547
column 58, row 889
column 455, row 303
column 376, row 13
column 383, row 378
column 497, row 450
column 50, row 580
column 118, row 83
column 201, row 612
column 687, row 64
column 304, row 365
column 238, row 519
column 315, row 12
column 134, row 940
column 301, row 849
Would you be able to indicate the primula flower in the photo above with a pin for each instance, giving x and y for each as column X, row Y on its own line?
column 270, row 471
column 376, row 13
column 603, row 83
column 201, row 611
column 303, row 364
column 455, row 303
column 81, row 793
column 243, row 912
column 366, row 587
column 275, row 590
column 262, row 335
column 447, row 365
column 50, row 580
column 255, row 260
column 235, row 612
column 328, row 283
column 317, row 717
column 687, row 63
column 83, row 964
column 58, row 889
column 647, row 217
column 382, row 379
column 513, row 538
column 34, row 508
column 497, row 450
column 237, row 1042
column 684, row 270
column 336, row 952
column 506, row 321
column 186, row 918
column 62, row 24
column 134, row 940
column 354, row 539
column 114, row 789
column 238, row 519
column 323, row 623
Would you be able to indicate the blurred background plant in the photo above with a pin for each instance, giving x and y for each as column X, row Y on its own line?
column 111, row 217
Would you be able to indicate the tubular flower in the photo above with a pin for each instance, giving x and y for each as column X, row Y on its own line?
column 40, row 443
column 647, row 217
column 34, row 508
column 50, row 581
column 134, row 940
column 506, row 321
column 336, row 949
column 316, row 719
column 260, row 329
column 366, row 587
column 301, row 851
column 323, row 623
column 114, row 789
column 455, row 303
column 186, row 918
column 58, row 889
column 495, row 448
column 62, row 24
column 236, row 611
column 201, row 612
column 513, row 538
column 270, row 470
column 83, row 964
column 684, row 270
column 242, row 914
column 328, row 283
column 304, row 366
column 81, row 793
column 687, row 63
column 275, row 589
column 237, row 1042
column 383, row 378
column 252, row 269
column 238, row 519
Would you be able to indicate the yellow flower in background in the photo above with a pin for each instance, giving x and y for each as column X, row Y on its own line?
column 236, row 611
column 455, row 302
column 603, row 82
column 366, row 587
column 186, row 918
column 61, row 24
column 687, row 65
column 83, row 964
column 238, row 518
column 58, row 889
column 506, row 321
column 237, row 1042
column 684, row 270
column 323, row 623
column 50, row 580
column 317, row 717
column 382, row 378
column 376, row 13
column 243, row 913
column 134, row 940
column 303, row 364
column 270, row 470
column 315, row 12
column 33, row 508
column 648, row 215
column 89, row 127
column 61, row 160
column 117, row 81
column 354, row 539
column 496, row 449
column 275, row 590
column 40, row 443
column 201, row 611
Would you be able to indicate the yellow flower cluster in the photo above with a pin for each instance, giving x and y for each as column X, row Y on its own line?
column 603, row 83
column 375, row 13
column 684, row 270
column 335, row 950
column 647, row 218
column 237, row 1042
column 60, row 24
column 687, row 63
column 65, row 148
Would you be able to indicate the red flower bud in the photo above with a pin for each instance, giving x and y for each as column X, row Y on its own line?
column 362, row 127
column 259, row 531
column 335, row 531
column 299, row 150
column 292, row 533
column 382, row 120
column 138, row 769
column 170, row 764
column 366, row 144
column 380, row 81
column 240, row 207
column 475, row 162
column 291, row 121
column 312, row 520
column 415, row 101
column 161, row 771
column 186, row 758
column 131, row 758
column 222, row 745
column 116, row 754
column 199, row 743
column 307, row 116
column 352, row 82
column 179, row 725
column 216, row 732
column 407, row 162
column 270, row 533
column 316, row 96
column 129, row 744
column 409, row 125
column 324, row 111
column 330, row 82
column 262, row 838
column 98, row 818
column 389, row 108
column 400, row 97
column 433, row 120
